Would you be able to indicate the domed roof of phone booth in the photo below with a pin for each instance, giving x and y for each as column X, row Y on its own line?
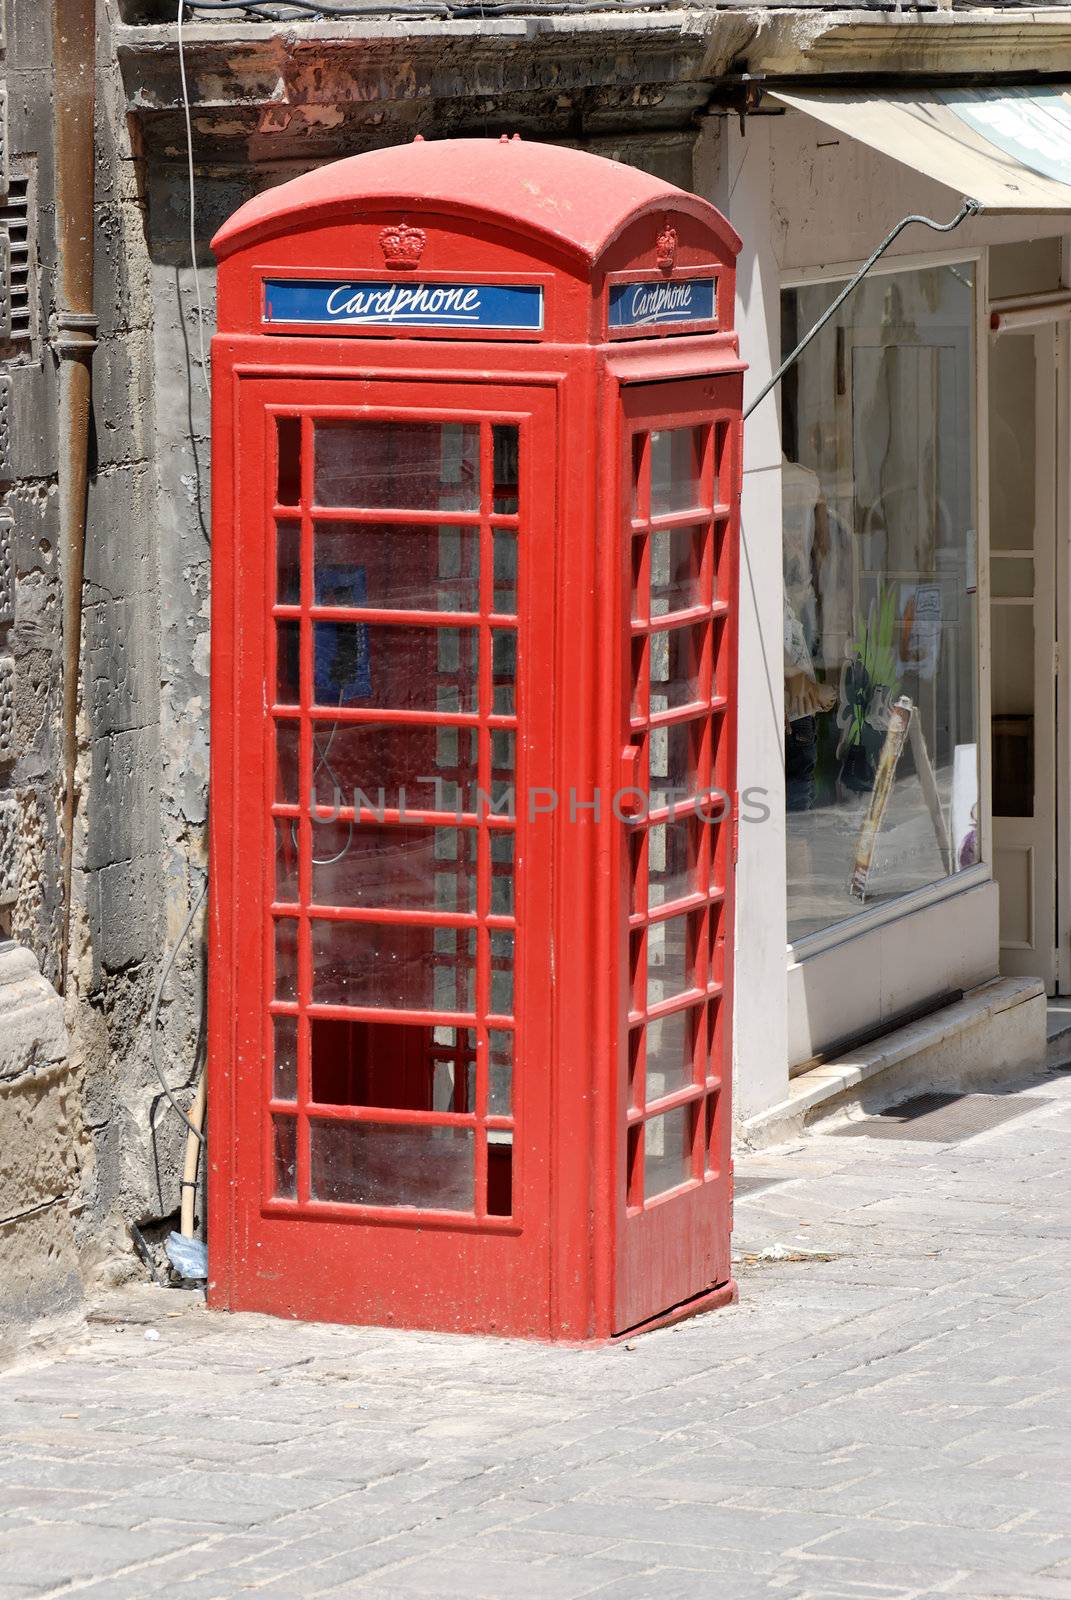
column 571, row 198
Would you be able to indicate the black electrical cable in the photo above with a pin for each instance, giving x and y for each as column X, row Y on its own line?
column 154, row 1012
column 324, row 11
column 158, row 994
column 312, row 8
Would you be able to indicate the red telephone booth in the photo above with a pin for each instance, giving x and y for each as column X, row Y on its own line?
column 477, row 419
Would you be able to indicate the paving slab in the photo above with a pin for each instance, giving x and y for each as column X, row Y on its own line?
column 886, row 1414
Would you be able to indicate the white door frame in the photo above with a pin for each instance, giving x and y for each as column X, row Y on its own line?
column 1035, row 837
column 1063, row 654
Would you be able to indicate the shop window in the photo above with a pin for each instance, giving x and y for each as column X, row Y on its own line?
column 880, row 637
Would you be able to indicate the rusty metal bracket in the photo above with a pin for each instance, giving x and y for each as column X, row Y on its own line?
column 969, row 208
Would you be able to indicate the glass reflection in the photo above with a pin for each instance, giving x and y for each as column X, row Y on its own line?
column 880, row 640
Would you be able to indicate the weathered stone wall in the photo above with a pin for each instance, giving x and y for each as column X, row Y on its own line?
column 41, row 1141
column 90, row 1132
column 88, row 1142
column 129, row 904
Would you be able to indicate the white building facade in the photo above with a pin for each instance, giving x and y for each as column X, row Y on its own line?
column 904, row 903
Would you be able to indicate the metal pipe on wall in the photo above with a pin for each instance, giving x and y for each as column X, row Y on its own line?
column 74, row 38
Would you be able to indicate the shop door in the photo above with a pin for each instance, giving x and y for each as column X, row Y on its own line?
column 679, row 572
column 1022, row 522
column 390, row 1082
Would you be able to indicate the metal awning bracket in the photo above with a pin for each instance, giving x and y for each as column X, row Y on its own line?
column 969, row 208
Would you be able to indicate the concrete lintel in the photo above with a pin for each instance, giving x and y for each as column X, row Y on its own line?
column 820, row 42
column 779, row 38
column 264, row 41
column 292, row 87
column 302, row 91
column 244, row 65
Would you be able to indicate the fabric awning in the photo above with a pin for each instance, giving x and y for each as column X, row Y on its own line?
column 1009, row 148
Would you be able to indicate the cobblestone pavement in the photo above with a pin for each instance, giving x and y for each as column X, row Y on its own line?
column 885, row 1417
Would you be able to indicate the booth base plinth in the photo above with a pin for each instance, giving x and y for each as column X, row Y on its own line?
column 219, row 1300
column 726, row 1294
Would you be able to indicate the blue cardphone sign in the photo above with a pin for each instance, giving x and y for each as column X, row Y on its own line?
column 646, row 305
column 320, row 302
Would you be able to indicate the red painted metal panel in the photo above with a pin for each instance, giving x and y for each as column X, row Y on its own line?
column 678, row 495
column 438, row 1257
column 574, row 200
column 453, row 1058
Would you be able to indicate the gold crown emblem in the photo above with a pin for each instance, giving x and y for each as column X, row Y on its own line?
column 402, row 246
column 666, row 249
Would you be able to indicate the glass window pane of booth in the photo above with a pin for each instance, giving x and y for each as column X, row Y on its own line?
column 397, row 867
column 399, row 765
column 676, row 722
column 880, row 628
column 667, row 1152
column 396, row 864
column 397, row 566
column 676, row 570
column 676, row 467
column 373, row 1164
column 419, row 466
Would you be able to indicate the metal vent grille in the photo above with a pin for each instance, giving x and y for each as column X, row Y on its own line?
column 16, row 256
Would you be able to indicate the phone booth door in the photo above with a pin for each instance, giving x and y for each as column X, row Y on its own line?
column 391, row 1153
column 678, row 568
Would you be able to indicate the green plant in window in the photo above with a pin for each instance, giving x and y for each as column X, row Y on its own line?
column 869, row 685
